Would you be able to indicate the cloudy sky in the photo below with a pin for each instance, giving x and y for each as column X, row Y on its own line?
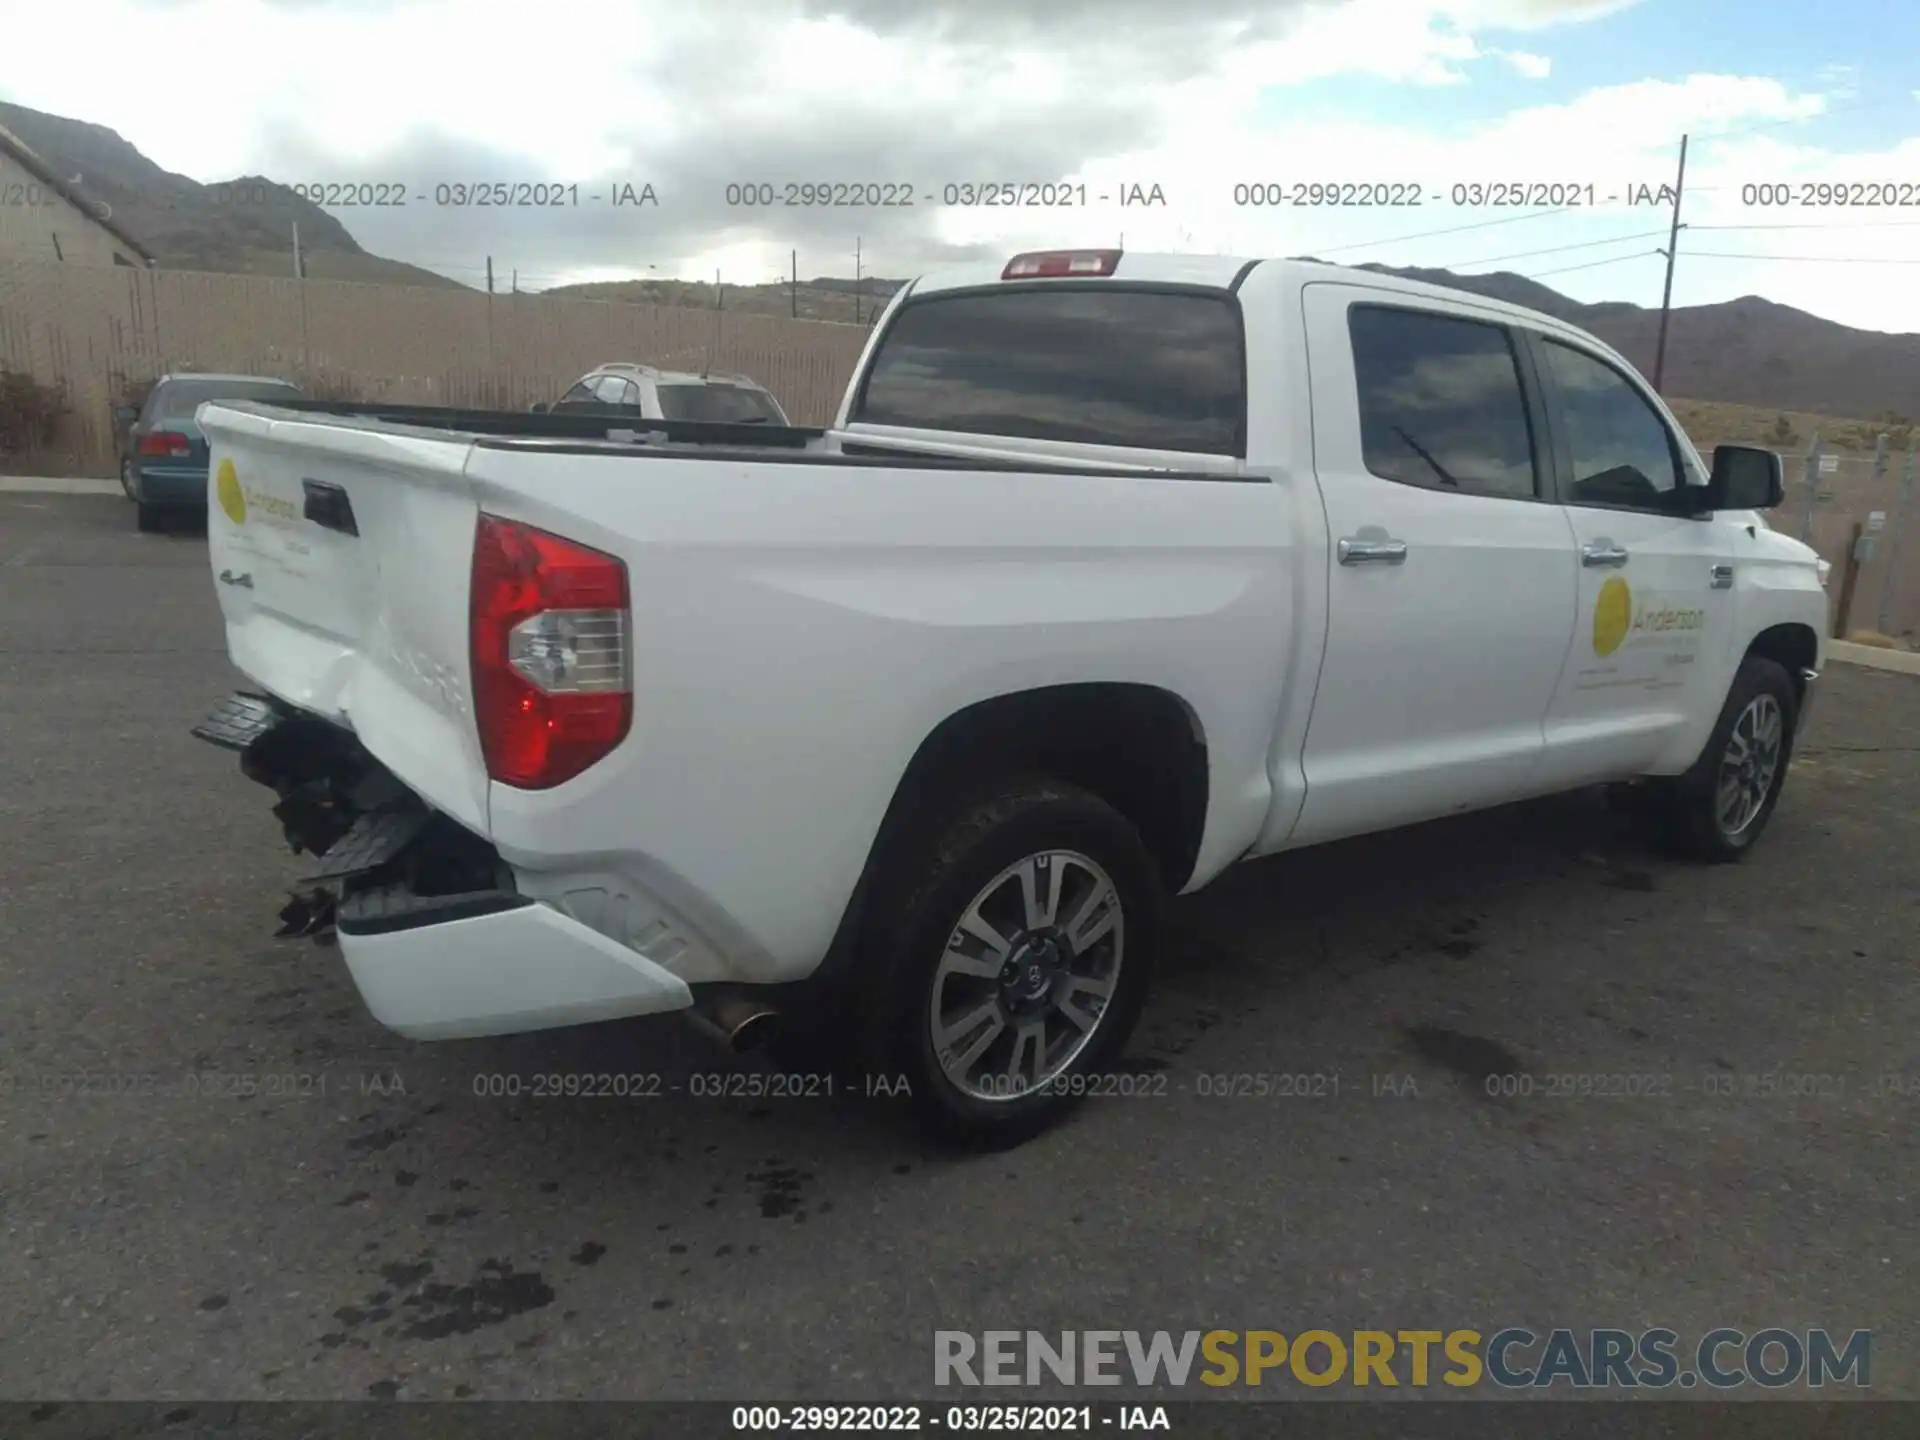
column 1197, row 97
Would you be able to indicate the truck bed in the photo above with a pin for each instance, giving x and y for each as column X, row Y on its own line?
column 862, row 599
column 703, row 439
column 527, row 425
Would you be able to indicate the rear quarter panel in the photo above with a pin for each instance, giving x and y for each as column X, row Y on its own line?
column 800, row 629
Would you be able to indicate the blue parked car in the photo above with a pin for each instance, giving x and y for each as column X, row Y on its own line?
column 163, row 459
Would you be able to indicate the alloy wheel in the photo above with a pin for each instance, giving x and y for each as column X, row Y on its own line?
column 1749, row 765
column 1027, row 975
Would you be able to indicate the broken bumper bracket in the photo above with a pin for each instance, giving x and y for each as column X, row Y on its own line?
column 239, row 721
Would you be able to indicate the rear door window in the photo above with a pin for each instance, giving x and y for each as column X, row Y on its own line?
column 1440, row 402
column 1082, row 363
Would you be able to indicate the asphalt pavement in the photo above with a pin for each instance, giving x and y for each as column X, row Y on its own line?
column 260, row 1193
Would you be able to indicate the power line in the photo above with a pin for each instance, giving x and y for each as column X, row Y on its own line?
column 1570, row 209
column 1814, row 225
column 1593, row 264
column 1795, row 259
column 1515, row 219
column 1453, row 230
column 1554, row 249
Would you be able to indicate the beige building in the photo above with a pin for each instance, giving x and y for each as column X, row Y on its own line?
column 44, row 217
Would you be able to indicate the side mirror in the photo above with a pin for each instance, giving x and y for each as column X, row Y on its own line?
column 125, row 415
column 539, row 407
column 1745, row 478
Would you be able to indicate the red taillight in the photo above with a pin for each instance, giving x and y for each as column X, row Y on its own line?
column 1046, row 264
column 552, row 681
column 170, row 443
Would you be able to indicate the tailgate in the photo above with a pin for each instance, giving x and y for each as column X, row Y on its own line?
column 342, row 559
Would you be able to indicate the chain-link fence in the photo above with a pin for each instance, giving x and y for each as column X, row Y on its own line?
column 93, row 334
column 1839, row 502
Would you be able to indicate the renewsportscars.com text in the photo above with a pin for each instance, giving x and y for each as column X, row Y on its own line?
column 1514, row 1358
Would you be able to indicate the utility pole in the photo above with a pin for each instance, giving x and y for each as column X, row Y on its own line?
column 299, row 270
column 516, row 279
column 856, row 279
column 1673, row 246
column 489, row 274
column 1902, row 503
column 793, row 285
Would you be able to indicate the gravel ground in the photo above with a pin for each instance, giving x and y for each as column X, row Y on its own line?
column 381, row 1227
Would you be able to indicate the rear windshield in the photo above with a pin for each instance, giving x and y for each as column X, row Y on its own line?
column 732, row 404
column 178, row 399
column 1153, row 370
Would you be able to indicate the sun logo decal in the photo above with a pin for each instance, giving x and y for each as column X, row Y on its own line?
column 1612, row 616
column 233, row 500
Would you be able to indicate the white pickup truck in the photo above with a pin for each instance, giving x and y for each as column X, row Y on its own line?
column 1113, row 571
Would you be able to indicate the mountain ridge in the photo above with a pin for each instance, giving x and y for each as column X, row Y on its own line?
column 241, row 226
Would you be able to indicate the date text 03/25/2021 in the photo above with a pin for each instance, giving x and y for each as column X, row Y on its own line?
column 475, row 194
column 954, row 194
column 762, row 194
column 949, row 1419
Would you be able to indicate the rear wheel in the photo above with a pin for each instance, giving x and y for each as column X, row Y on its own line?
column 1718, row 809
column 1015, row 969
column 126, row 480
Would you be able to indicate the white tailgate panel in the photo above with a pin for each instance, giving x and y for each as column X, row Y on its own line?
column 368, row 630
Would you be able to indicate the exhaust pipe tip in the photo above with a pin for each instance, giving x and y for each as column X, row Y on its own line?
column 740, row 1024
column 753, row 1032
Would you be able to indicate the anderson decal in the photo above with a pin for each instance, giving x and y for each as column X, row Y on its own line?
column 1612, row 616
column 1617, row 620
column 233, row 499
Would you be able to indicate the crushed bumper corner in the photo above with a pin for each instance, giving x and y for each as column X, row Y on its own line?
column 499, row 971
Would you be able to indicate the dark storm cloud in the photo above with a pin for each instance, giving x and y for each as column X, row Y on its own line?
column 718, row 73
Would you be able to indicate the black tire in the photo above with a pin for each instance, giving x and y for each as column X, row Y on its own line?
column 126, row 480
column 1693, row 821
column 147, row 518
column 911, row 924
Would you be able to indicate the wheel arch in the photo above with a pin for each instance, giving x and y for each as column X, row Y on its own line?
column 1140, row 748
column 1794, row 645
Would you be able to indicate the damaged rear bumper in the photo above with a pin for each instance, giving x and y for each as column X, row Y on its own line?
column 439, row 940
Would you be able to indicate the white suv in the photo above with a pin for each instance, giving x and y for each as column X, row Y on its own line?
column 650, row 393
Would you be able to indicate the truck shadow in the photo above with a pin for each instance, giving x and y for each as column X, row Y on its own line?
column 1333, row 904
column 1281, row 936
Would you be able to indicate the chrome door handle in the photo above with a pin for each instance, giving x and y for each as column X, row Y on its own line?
column 1602, row 552
column 1355, row 551
column 1723, row 577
